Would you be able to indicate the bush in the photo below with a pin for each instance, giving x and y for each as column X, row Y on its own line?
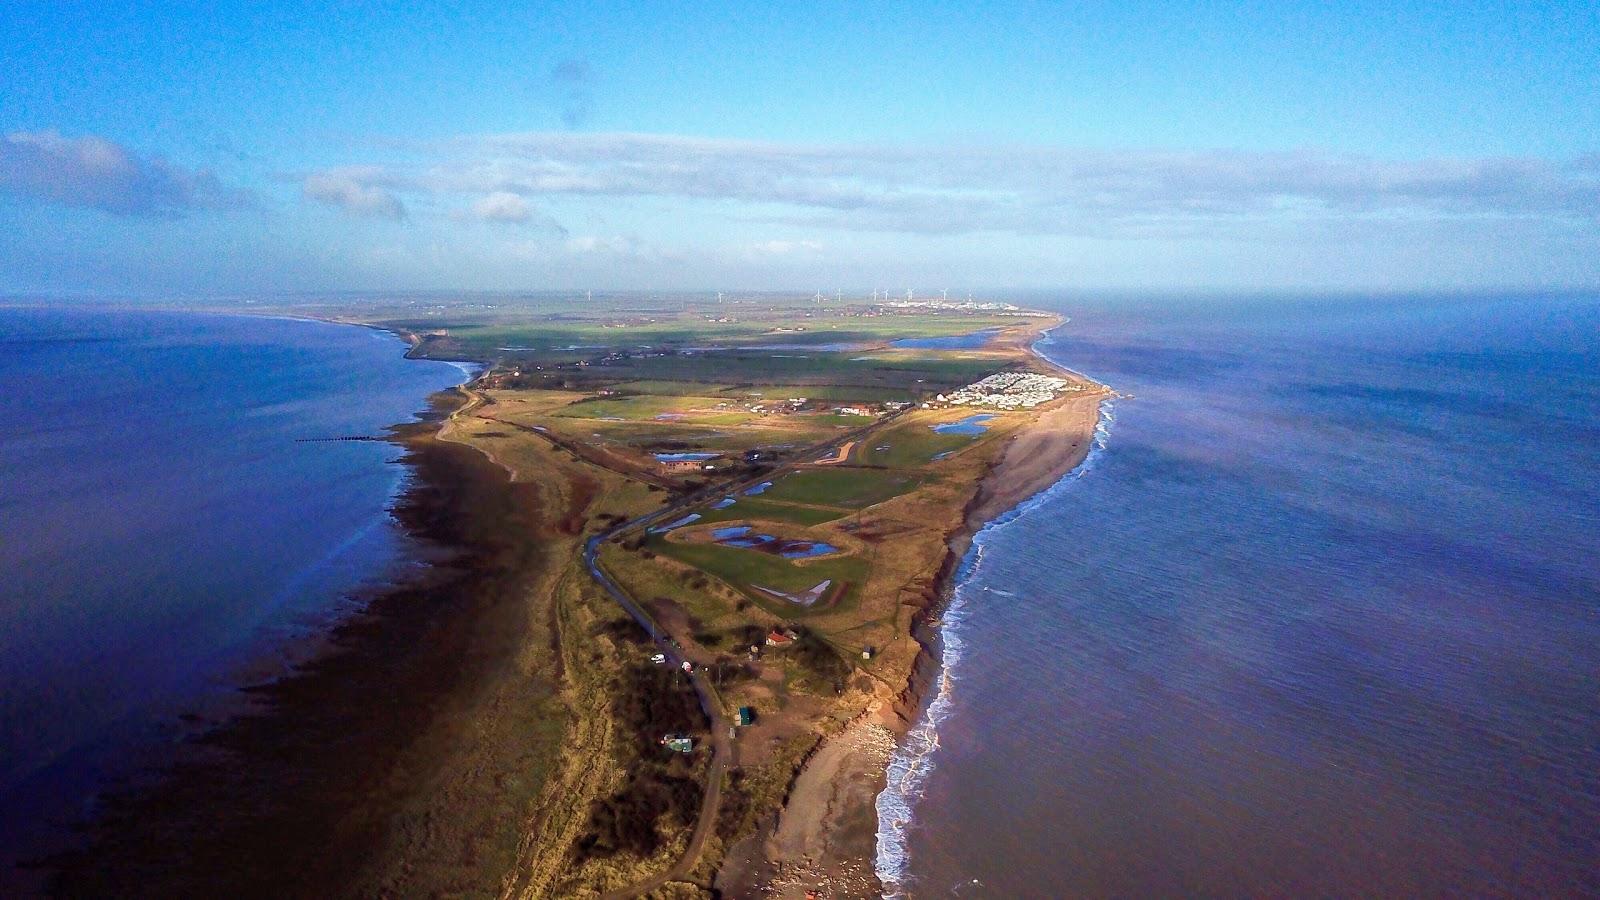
column 819, row 658
column 624, row 629
column 652, row 701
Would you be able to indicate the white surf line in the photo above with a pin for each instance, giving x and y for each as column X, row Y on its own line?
column 913, row 761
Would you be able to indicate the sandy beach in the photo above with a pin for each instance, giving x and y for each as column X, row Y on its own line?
column 826, row 836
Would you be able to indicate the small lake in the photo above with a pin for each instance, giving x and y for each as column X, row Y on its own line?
column 972, row 424
column 970, row 341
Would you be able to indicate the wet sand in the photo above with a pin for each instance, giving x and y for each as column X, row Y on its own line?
column 332, row 787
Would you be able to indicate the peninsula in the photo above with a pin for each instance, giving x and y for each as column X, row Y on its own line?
column 687, row 615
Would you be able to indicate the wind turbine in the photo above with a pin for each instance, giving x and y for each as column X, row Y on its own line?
column 945, row 293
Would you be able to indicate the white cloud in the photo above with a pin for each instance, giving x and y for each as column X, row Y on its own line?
column 354, row 191
column 502, row 206
column 95, row 173
column 1040, row 191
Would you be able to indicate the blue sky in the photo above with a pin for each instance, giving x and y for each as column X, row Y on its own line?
column 224, row 148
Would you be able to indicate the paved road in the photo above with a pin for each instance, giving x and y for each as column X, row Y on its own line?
column 722, row 745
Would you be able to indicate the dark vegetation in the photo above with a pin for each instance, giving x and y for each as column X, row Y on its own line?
column 728, row 671
column 820, row 659
column 748, row 635
column 652, row 701
column 625, row 630
column 735, row 805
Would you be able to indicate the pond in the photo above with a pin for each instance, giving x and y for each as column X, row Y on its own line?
column 970, row 341
column 757, row 489
column 972, row 424
column 806, row 549
column 681, row 457
column 741, row 536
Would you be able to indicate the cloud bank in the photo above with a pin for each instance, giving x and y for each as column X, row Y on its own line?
column 961, row 190
column 94, row 173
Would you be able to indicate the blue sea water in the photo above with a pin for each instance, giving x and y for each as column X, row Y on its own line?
column 164, row 530
column 1320, row 616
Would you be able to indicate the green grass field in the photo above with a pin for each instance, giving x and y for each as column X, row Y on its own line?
column 830, row 392
column 671, row 388
column 910, row 445
column 759, row 509
column 912, row 373
column 744, row 569
column 621, row 329
column 839, row 486
column 646, row 406
column 837, row 420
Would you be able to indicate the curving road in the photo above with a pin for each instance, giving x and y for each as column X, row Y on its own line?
column 722, row 745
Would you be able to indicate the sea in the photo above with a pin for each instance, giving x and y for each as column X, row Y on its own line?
column 173, row 524
column 1319, row 616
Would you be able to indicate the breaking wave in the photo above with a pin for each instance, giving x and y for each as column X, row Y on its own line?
column 914, row 759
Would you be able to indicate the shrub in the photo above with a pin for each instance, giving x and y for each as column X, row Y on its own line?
column 818, row 657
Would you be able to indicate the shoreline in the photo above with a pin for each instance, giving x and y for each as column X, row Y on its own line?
column 339, row 746
column 820, row 837
column 366, row 801
column 145, row 746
